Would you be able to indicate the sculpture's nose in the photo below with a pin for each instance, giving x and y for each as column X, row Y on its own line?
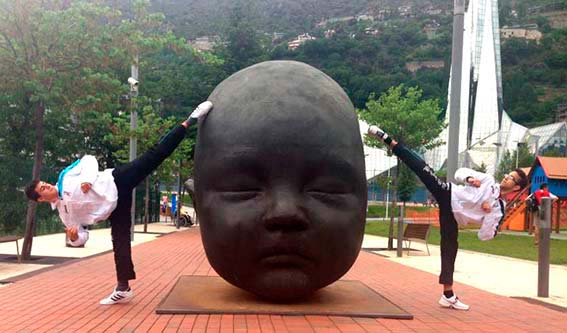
column 285, row 211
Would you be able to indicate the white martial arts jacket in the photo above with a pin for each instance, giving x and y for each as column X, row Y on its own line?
column 466, row 202
column 80, row 209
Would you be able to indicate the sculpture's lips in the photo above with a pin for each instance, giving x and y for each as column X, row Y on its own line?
column 286, row 260
column 285, row 256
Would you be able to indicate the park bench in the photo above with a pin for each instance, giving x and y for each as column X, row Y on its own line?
column 417, row 232
column 7, row 239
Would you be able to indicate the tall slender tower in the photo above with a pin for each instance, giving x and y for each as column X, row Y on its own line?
column 486, row 69
column 481, row 108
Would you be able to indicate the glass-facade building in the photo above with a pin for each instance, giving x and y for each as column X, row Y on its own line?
column 486, row 131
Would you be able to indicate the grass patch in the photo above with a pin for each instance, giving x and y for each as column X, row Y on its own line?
column 380, row 210
column 521, row 247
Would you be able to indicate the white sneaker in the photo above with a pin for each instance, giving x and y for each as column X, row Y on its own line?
column 377, row 133
column 118, row 297
column 201, row 110
column 453, row 303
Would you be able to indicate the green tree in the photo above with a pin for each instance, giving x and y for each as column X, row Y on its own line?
column 553, row 152
column 242, row 44
column 49, row 59
column 382, row 181
column 481, row 168
column 180, row 79
column 407, row 184
column 404, row 115
column 62, row 65
column 507, row 163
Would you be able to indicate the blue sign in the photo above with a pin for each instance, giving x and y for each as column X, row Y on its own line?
column 173, row 203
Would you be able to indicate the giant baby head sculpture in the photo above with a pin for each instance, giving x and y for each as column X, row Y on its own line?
column 280, row 183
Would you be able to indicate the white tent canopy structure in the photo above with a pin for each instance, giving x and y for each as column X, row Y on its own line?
column 377, row 160
column 543, row 138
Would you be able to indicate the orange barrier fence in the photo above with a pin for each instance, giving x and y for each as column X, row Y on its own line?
column 515, row 216
column 423, row 216
column 517, row 220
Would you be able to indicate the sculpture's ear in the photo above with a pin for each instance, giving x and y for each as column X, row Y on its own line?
column 195, row 205
column 190, row 187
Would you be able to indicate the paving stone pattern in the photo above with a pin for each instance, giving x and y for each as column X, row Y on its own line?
column 65, row 299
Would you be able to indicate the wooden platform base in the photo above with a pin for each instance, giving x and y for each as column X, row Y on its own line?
column 213, row 295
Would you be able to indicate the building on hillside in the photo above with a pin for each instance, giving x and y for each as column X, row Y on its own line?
column 414, row 66
column 555, row 12
column 204, row 43
column 561, row 112
column 383, row 14
column 430, row 30
column 346, row 19
column 431, row 10
column 557, row 20
column 406, row 11
column 329, row 33
column 365, row 17
column 522, row 33
column 321, row 24
column 371, row 31
column 277, row 37
column 549, row 7
column 301, row 39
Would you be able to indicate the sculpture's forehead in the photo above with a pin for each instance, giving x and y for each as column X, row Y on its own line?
column 280, row 86
column 273, row 129
column 281, row 100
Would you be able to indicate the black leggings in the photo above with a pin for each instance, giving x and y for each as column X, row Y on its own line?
column 442, row 193
column 126, row 177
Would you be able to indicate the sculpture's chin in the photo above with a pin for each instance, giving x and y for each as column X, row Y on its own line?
column 282, row 285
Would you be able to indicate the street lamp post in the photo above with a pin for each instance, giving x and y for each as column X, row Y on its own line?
column 517, row 153
column 134, row 85
column 518, row 145
column 388, row 190
column 497, row 162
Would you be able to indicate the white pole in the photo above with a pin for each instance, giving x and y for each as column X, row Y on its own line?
column 517, row 153
column 455, row 94
column 388, row 190
column 133, row 142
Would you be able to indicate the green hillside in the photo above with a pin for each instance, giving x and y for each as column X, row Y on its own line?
column 534, row 74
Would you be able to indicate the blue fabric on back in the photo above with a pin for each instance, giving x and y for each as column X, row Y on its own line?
column 61, row 175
